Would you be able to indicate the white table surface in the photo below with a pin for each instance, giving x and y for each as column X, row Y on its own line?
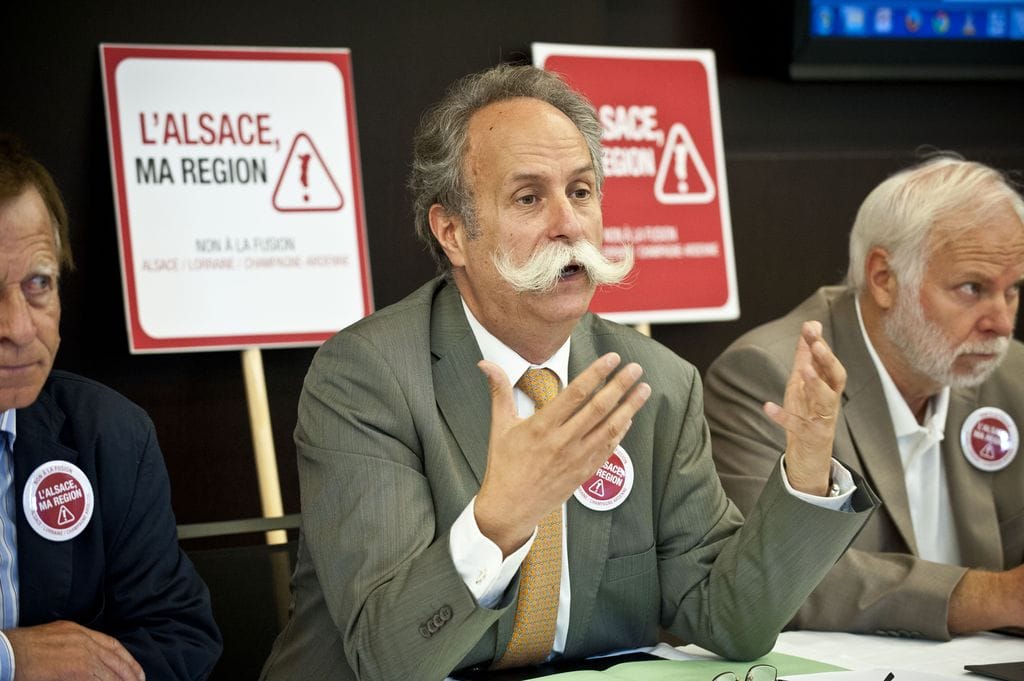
column 858, row 652
column 863, row 652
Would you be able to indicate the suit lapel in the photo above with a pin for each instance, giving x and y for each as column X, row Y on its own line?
column 588, row 531
column 459, row 386
column 44, row 566
column 970, row 491
column 866, row 412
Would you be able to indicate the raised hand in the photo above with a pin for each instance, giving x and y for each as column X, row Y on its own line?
column 534, row 464
column 809, row 411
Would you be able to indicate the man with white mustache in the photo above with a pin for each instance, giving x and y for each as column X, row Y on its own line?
column 486, row 480
column 932, row 407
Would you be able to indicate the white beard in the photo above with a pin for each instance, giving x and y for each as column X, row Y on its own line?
column 927, row 350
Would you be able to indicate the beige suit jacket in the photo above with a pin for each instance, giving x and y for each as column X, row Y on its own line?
column 879, row 586
column 392, row 445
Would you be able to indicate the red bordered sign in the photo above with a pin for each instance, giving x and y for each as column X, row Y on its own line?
column 238, row 195
column 665, row 190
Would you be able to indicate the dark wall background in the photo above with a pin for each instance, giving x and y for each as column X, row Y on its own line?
column 799, row 158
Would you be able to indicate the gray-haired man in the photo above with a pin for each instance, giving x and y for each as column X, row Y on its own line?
column 931, row 411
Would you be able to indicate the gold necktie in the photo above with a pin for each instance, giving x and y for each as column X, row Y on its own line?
column 541, row 572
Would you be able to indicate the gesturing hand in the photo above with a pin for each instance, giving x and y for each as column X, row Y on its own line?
column 534, row 464
column 65, row 651
column 809, row 411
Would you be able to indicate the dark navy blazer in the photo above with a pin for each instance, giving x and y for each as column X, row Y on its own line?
column 124, row 575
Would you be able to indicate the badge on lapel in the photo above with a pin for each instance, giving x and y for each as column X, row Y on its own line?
column 58, row 500
column 609, row 486
column 989, row 439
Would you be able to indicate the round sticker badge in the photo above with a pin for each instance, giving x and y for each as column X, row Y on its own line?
column 989, row 439
column 58, row 500
column 610, row 485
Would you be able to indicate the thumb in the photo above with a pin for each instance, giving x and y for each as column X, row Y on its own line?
column 503, row 406
column 777, row 414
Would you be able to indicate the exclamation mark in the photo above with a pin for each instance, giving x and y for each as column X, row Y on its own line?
column 682, row 186
column 304, row 176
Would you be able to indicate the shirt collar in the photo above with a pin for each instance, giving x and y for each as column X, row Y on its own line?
column 903, row 420
column 511, row 363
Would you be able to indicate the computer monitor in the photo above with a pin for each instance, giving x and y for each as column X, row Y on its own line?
column 908, row 39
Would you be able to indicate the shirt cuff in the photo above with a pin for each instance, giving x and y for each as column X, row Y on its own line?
column 840, row 476
column 478, row 560
column 6, row 659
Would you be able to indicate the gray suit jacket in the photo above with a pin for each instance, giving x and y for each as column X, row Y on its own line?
column 880, row 585
column 392, row 445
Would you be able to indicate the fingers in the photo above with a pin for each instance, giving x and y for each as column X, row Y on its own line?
column 66, row 650
column 585, row 402
column 776, row 414
column 603, row 421
column 580, row 390
column 808, row 399
column 117, row 660
column 821, row 375
column 503, row 406
column 815, row 383
column 824, row 362
column 578, row 402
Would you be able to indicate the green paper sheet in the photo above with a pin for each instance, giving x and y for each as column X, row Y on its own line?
column 695, row 670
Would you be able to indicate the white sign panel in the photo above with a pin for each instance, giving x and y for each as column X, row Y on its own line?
column 238, row 195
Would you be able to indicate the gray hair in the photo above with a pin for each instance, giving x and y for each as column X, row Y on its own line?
column 904, row 211
column 440, row 144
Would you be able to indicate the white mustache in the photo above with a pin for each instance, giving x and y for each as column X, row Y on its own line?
column 547, row 264
column 996, row 346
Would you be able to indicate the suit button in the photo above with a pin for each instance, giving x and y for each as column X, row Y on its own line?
column 436, row 621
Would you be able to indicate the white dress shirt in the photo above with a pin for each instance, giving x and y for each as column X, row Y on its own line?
column 9, row 605
column 931, row 511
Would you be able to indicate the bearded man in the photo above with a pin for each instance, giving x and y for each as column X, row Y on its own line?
column 450, row 520
column 931, row 410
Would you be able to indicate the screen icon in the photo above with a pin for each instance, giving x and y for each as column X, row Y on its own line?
column 823, row 20
column 913, row 20
column 1017, row 24
column 883, row 20
column 997, row 23
column 969, row 29
column 854, row 20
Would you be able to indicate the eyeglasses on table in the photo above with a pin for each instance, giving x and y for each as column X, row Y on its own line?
column 759, row 672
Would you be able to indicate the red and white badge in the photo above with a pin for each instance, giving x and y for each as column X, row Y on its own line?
column 58, row 500
column 610, row 485
column 989, row 439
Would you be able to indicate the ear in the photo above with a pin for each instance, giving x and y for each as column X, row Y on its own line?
column 450, row 233
column 879, row 279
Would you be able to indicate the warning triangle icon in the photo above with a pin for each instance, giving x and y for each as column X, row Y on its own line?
column 64, row 516
column 597, row 489
column 306, row 184
column 675, row 183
